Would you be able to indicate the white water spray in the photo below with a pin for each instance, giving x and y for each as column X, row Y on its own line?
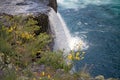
column 62, row 37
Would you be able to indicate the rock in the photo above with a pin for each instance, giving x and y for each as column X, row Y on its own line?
column 36, row 8
column 26, row 7
column 1, row 73
column 53, row 4
column 60, row 71
column 112, row 79
column 99, row 77
column 39, row 9
column 38, row 68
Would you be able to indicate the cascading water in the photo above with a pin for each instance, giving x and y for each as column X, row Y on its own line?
column 62, row 37
column 96, row 22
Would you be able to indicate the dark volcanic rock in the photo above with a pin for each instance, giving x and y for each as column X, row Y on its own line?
column 53, row 4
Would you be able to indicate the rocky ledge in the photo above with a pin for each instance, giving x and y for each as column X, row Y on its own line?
column 36, row 8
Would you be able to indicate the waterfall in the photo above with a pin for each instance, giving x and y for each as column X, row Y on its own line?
column 62, row 37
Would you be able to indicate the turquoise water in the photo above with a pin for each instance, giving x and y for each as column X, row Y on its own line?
column 96, row 22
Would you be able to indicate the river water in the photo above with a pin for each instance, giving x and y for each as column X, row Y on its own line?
column 97, row 24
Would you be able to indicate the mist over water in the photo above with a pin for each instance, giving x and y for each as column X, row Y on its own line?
column 96, row 23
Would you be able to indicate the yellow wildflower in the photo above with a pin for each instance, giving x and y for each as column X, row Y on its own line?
column 34, row 78
column 77, row 58
column 23, row 35
column 78, row 53
column 70, row 56
column 48, row 76
column 31, row 36
column 26, row 35
column 43, row 73
column 10, row 30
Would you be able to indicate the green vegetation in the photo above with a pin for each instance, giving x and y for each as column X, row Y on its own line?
column 25, row 55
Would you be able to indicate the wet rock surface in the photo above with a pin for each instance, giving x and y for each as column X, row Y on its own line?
column 53, row 4
column 15, row 7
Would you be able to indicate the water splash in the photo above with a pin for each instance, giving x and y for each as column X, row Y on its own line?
column 62, row 36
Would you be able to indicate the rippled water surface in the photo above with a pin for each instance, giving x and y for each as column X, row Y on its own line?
column 97, row 22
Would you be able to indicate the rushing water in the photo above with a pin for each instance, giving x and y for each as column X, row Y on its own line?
column 60, row 34
column 97, row 23
column 62, row 37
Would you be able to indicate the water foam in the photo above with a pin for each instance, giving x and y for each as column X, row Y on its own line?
column 63, row 38
column 73, row 41
column 81, row 3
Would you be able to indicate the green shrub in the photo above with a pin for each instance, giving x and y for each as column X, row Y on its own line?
column 54, row 59
column 18, row 40
column 9, row 74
